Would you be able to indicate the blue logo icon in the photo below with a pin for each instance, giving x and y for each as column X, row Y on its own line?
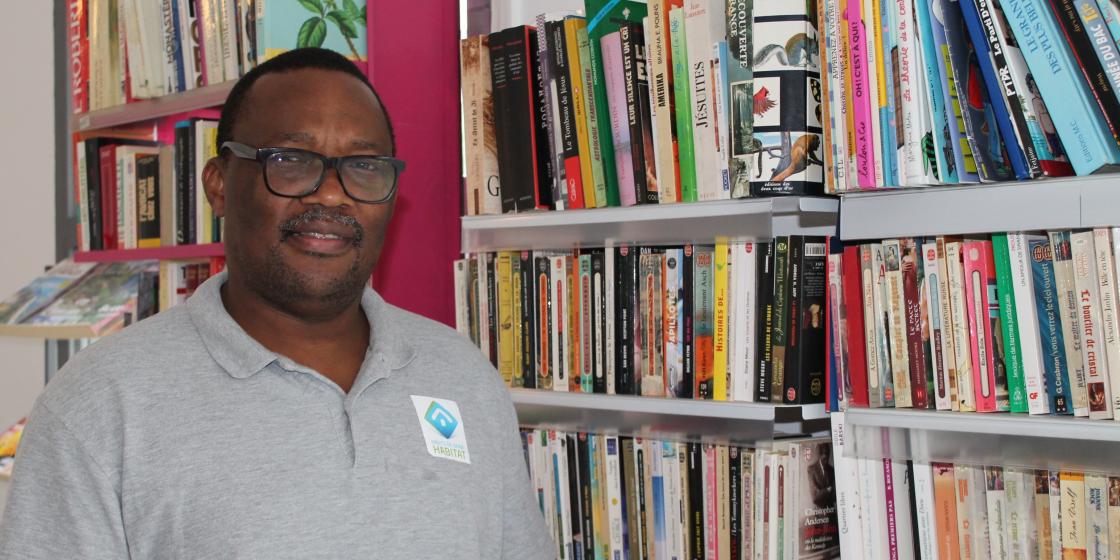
column 441, row 419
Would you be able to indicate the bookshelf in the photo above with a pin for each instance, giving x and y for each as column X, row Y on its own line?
column 721, row 422
column 670, row 224
column 1037, row 442
column 201, row 98
column 172, row 253
column 1065, row 203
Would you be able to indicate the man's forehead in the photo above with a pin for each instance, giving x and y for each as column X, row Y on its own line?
column 306, row 138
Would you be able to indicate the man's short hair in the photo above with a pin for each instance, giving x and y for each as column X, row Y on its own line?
column 298, row 59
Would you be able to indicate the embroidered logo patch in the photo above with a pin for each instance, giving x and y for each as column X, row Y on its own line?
column 443, row 429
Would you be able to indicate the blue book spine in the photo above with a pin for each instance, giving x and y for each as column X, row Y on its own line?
column 1110, row 9
column 180, row 73
column 1085, row 135
column 1050, row 325
column 887, row 120
column 1103, row 43
column 979, row 35
column 943, row 152
column 962, row 152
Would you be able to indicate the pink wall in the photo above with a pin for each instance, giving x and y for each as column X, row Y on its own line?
column 414, row 64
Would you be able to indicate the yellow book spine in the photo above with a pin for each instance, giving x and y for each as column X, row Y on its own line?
column 880, row 61
column 503, row 269
column 515, row 318
column 719, row 372
column 579, row 103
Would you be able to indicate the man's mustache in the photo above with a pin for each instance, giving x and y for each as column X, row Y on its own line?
column 296, row 223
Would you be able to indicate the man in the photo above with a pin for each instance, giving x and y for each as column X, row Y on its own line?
column 285, row 410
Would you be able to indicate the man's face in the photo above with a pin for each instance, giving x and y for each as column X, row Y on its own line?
column 309, row 255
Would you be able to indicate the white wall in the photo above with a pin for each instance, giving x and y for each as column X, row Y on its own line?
column 26, row 185
column 509, row 13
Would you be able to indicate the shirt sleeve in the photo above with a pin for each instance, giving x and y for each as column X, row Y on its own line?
column 525, row 536
column 61, row 503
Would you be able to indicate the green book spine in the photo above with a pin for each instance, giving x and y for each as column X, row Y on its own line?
column 1016, row 384
column 591, row 113
column 603, row 18
column 683, row 95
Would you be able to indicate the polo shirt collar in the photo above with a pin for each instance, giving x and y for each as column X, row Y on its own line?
column 242, row 356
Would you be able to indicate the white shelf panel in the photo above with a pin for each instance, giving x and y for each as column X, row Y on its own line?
column 1064, row 203
column 201, row 98
column 1039, row 442
column 673, row 419
column 668, row 224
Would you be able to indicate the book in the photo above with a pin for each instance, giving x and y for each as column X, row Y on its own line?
column 482, row 181
column 1093, row 352
column 280, row 27
column 1049, row 313
column 1071, row 320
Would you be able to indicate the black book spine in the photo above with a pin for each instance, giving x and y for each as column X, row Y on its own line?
column 575, row 503
column 93, row 193
column 1065, row 12
column 645, row 532
column 568, row 167
column 626, row 270
column 528, row 324
column 735, row 509
column 696, row 501
column 779, row 324
column 812, row 346
column 599, row 322
column 791, row 390
column 638, row 112
column 492, row 307
column 182, row 147
column 147, row 197
column 687, row 348
column 541, row 195
column 548, row 111
column 587, row 507
column 191, row 185
column 765, row 320
column 508, row 160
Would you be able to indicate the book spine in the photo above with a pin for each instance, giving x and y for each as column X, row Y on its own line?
column 548, row 112
column 1055, row 70
column 868, row 290
column 886, row 36
column 883, row 326
column 812, row 346
column 703, row 323
column 614, row 495
column 699, row 43
column 78, row 42
column 486, row 174
column 912, row 302
column 895, row 301
column 1096, row 510
column 504, row 308
column 938, row 326
column 543, row 301
column 81, row 185
column 1042, row 515
column 838, row 384
column 745, row 314
column 1029, row 337
column 615, row 78
column 1073, row 16
column 1009, row 321
column 721, row 272
column 574, row 117
column 541, row 195
column 558, row 308
column 853, row 314
column 978, row 277
column 962, row 326
column 673, row 321
column 997, row 507
column 1046, row 299
column 502, row 91
column 873, row 49
column 596, row 190
column 682, row 88
column 626, row 271
column 1093, row 352
column 696, row 500
column 638, row 115
column 528, row 319
column 649, row 344
column 780, row 318
column 586, row 348
column 599, row 281
column 765, row 339
column 790, row 389
column 688, row 328
column 907, row 101
column 1109, row 322
column 740, row 78
column 566, row 118
column 573, row 335
column 664, row 129
column 948, row 327
column 1074, row 528
column 1113, row 513
column 1071, row 320
column 147, row 201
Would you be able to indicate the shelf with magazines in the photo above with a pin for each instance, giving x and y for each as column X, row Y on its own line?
column 708, row 421
column 205, row 97
column 753, row 219
column 1036, row 442
column 1053, row 203
column 171, row 253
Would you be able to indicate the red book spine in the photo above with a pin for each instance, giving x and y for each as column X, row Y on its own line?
column 979, row 283
column 108, row 156
column 77, row 33
column 575, row 182
column 915, row 347
column 853, row 306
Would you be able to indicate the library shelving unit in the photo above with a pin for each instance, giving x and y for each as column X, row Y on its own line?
column 758, row 219
column 172, row 253
column 1020, row 440
column 176, row 103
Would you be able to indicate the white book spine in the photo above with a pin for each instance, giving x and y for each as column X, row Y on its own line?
column 128, row 202
column 561, row 479
column 462, row 313
column 670, row 468
column 483, row 306
column 614, row 497
column 231, row 59
column 909, row 153
column 1110, row 322
column 868, row 274
column 559, row 312
column 837, row 82
column 83, row 194
column 1093, row 354
column 608, row 266
column 188, row 44
column 721, row 136
column 837, row 342
column 1030, row 340
column 699, row 40
column 924, row 506
column 848, row 505
column 966, row 397
column 997, row 513
column 1055, row 516
column 938, row 325
column 1096, row 516
column 1019, row 495
column 745, row 316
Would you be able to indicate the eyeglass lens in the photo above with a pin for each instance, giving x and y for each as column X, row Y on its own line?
column 297, row 174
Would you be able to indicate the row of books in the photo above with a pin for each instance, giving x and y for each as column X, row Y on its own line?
column 731, row 321
column 618, row 497
column 929, row 92
column 1020, row 322
column 670, row 101
column 87, row 300
column 138, row 194
column 911, row 509
column 124, row 50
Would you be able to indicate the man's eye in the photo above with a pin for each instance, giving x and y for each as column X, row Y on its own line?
column 291, row 158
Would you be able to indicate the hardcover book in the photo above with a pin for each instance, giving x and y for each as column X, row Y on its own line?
column 282, row 26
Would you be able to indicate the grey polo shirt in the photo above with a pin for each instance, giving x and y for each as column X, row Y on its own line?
column 183, row 437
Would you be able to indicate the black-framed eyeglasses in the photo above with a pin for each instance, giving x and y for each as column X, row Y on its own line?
column 296, row 173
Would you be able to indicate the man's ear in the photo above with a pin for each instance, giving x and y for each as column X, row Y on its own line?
column 213, row 182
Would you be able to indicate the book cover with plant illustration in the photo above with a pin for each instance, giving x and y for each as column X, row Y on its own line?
column 338, row 25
